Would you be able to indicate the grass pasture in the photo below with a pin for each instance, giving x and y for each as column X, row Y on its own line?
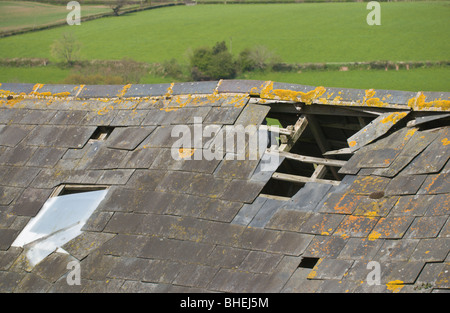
column 297, row 32
column 23, row 14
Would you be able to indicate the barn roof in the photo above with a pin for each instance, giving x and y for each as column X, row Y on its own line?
column 344, row 178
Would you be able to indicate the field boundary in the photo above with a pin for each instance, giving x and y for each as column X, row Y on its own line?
column 83, row 19
column 278, row 67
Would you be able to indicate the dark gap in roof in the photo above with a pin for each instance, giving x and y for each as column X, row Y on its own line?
column 323, row 133
column 73, row 189
column 435, row 124
column 308, row 262
column 281, row 188
column 102, row 132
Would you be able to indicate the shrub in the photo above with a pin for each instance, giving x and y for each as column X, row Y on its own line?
column 212, row 63
column 66, row 49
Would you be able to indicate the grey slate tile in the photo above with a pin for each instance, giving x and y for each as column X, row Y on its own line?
column 11, row 135
column 286, row 219
column 443, row 278
column 418, row 142
column 16, row 156
column 241, row 190
column 405, row 185
column 144, row 90
column 7, row 237
column 100, row 91
column 128, row 138
column 31, row 201
column 426, row 227
column 61, row 136
column 252, row 114
column 241, row 86
column 161, row 271
column 140, row 158
column 196, row 275
column 360, row 248
column 307, row 199
column 260, row 262
column 289, row 243
column 433, row 158
column 330, row 269
column 63, row 117
column 415, row 205
column 59, row 90
column 232, row 168
column 130, row 268
column 18, row 88
column 407, row 272
column 206, row 87
column 222, row 115
column 226, row 257
column 321, row 224
column 431, row 250
column 53, row 266
column 391, row 227
column 129, row 117
column 325, row 247
column 257, row 238
column 435, row 184
column 93, row 118
column 32, row 283
column 146, row 179
column 440, row 205
column 107, row 158
column 356, row 226
column 8, row 194
column 396, row 250
column 266, row 212
column 37, row 117
column 248, row 211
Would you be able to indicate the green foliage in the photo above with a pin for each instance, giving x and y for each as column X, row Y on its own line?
column 170, row 68
column 66, row 49
column 257, row 58
column 212, row 63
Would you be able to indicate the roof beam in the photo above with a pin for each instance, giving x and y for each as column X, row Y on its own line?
column 302, row 179
column 309, row 159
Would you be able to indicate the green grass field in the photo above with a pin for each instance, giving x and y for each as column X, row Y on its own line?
column 23, row 14
column 299, row 33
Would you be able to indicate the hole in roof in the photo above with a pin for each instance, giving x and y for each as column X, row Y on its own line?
column 102, row 133
column 60, row 220
column 308, row 262
column 315, row 147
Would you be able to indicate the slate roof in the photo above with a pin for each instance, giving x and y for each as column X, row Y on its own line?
column 206, row 225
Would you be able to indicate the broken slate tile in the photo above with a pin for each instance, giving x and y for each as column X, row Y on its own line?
column 248, row 211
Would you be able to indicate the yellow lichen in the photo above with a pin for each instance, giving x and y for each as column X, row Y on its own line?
column 369, row 99
column 445, row 141
column 419, row 104
column 313, row 272
column 289, row 95
column 124, row 91
column 394, row 117
column 395, row 285
column 374, row 235
column 185, row 153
